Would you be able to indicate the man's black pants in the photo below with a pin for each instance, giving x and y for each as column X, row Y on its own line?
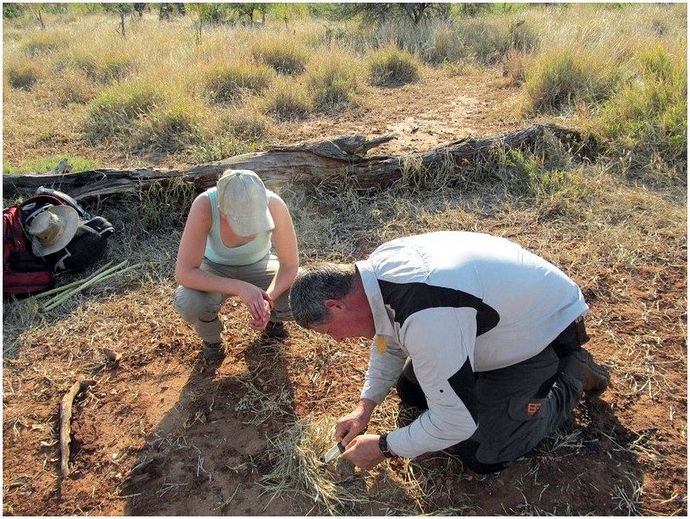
column 517, row 406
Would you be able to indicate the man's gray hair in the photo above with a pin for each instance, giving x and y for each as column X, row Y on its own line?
column 314, row 286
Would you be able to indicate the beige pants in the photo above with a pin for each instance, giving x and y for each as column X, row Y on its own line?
column 200, row 309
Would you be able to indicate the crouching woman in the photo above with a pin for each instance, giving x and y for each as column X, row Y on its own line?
column 225, row 251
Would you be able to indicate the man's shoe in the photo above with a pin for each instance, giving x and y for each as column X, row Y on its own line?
column 213, row 351
column 275, row 330
column 594, row 377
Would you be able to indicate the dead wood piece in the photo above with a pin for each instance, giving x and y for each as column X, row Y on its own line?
column 65, row 423
column 324, row 163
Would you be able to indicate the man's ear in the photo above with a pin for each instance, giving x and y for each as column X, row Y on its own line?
column 333, row 304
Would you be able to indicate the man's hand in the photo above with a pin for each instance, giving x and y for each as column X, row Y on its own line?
column 354, row 423
column 363, row 451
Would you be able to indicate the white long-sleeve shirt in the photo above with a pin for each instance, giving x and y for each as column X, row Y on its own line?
column 457, row 303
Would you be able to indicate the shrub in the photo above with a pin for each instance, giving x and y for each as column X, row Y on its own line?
column 228, row 83
column 557, row 80
column 115, row 110
column 332, row 81
column 23, row 74
column 287, row 101
column 284, row 56
column 391, row 66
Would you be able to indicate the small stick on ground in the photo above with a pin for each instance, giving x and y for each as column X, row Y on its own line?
column 65, row 425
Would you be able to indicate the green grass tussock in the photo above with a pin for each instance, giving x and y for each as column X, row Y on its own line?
column 102, row 65
column 333, row 80
column 169, row 128
column 285, row 56
column 65, row 89
column 558, row 79
column 647, row 119
column 233, row 132
column 247, row 124
column 287, row 101
column 391, row 66
column 24, row 73
column 116, row 109
column 228, row 82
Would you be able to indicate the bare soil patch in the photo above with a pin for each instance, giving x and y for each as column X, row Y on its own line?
column 163, row 432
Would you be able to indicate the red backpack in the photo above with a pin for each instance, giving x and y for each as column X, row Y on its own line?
column 25, row 273
column 22, row 271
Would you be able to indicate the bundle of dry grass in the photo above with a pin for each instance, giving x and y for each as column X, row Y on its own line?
column 337, row 488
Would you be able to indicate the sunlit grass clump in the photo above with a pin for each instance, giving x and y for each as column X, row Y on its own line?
column 102, row 66
column 648, row 117
column 285, row 56
column 170, row 128
column 64, row 89
column 332, row 80
column 116, row 109
column 233, row 132
column 556, row 80
column 42, row 42
column 287, row 101
column 391, row 66
column 228, row 82
column 246, row 124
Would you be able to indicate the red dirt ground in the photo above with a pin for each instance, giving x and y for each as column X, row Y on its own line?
column 161, row 432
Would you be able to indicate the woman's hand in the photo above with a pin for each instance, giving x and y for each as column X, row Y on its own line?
column 258, row 303
column 260, row 324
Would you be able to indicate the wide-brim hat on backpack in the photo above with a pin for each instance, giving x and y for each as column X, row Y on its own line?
column 242, row 198
column 52, row 229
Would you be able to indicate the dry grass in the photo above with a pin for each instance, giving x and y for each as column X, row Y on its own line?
column 337, row 488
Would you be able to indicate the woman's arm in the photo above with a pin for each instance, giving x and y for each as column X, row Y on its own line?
column 191, row 252
column 285, row 245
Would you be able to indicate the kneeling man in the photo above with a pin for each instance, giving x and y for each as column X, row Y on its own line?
column 482, row 335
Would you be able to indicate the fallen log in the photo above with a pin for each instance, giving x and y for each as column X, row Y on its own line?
column 319, row 163
column 66, row 425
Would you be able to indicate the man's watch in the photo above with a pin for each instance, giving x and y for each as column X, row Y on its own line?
column 383, row 446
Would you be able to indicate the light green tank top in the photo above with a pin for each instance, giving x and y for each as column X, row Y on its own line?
column 218, row 252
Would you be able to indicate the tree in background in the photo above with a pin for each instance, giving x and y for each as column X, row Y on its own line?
column 12, row 10
column 167, row 9
column 382, row 12
column 140, row 7
column 248, row 10
column 290, row 12
column 122, row 9
column 207, row 13
column 36, row 10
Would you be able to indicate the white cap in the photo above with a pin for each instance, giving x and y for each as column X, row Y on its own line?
column 243, row 200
